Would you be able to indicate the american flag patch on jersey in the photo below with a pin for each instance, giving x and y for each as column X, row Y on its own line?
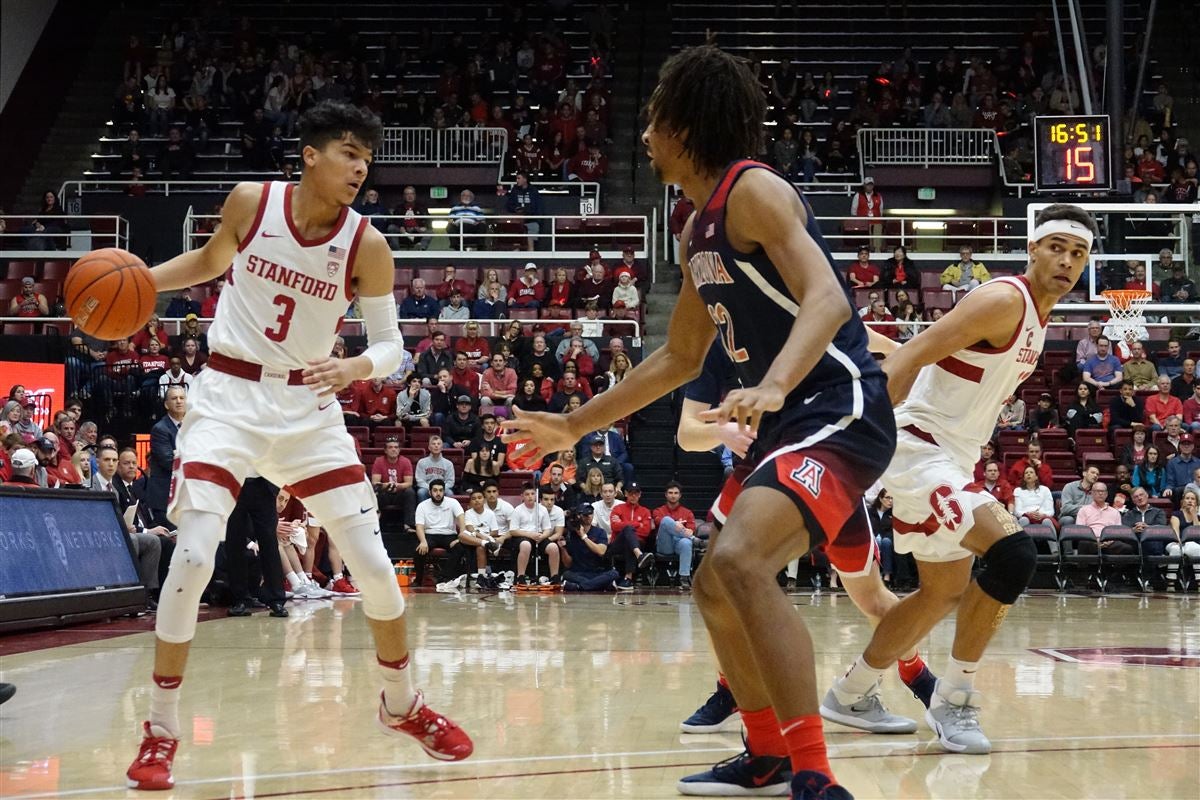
column 337, row 252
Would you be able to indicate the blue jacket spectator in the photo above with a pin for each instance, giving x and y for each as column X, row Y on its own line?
column 419, row 304
column 1181, row 467
column 181, row 305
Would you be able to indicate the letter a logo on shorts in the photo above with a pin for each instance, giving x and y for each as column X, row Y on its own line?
column 808, row 475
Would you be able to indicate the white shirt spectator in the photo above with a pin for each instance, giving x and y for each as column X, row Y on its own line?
column 557, row 518
column 529, row 519
column 1039, row 499
column 602, row 514
column 503, row 512
column 169, row 379
column 439, row 518
column 479, row 523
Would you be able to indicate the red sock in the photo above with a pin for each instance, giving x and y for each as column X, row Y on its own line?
column 909, row 670
column 805, row 739
column 721, row 680
column 763, row 737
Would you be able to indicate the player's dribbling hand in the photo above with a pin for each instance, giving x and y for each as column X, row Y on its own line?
column 545, row 433
column 736, row 438
column 745, row 407
column 329, row 376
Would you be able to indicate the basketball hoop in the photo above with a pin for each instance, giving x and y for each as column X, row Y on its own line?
column 1125, row 309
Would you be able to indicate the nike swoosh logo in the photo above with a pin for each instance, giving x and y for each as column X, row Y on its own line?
column 322, row 408
column 808, row 400
column 272, row 235
column 762, row 780
column 376, row 532
column 364, row 511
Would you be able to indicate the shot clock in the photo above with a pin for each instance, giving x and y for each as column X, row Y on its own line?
column 1071, row 154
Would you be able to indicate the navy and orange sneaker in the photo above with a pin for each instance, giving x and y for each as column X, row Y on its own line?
column 719, row 713
column 156, row 754
column 744, row 775
column 922, row 685
column 437, row 735
column 810, row 785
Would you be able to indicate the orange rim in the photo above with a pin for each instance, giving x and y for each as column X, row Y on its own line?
column 1123, row 299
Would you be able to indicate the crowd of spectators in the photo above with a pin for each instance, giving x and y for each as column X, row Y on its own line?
column 182, row 86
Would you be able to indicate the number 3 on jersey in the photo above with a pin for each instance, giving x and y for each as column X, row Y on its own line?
column 284, row 321
column 720, row 317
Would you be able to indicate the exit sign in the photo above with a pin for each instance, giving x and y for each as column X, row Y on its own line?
column 926, row 193
column 438, row 193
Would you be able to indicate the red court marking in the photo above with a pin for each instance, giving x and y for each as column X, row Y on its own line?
column 587, row 770
column 1124, row 656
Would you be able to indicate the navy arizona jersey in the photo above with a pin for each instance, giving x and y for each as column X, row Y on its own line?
column 843, row 399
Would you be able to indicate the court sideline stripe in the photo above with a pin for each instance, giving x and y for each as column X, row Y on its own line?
column 836, row 748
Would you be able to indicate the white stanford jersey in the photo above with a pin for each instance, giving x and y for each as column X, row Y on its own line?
column 286, row 295
column 958, row 399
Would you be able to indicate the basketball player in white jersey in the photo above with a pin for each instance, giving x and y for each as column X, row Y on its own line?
column 948, row 384
column 266, row 404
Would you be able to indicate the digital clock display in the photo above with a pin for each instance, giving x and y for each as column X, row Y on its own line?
column 1071, row 154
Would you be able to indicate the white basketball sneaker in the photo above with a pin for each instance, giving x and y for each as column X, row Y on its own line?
column 953, row 715
column 867, row 713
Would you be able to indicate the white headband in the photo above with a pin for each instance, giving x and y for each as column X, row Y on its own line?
column 1067, row 226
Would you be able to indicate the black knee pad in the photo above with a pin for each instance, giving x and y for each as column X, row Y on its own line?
column 1008, row 568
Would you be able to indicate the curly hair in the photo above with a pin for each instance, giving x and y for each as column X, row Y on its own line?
column 330, row 120
column 710, row 99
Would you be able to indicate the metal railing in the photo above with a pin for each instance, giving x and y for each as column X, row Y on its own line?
column 925, row 147
column 497, row 237
column 153, row 186
column 444, row 146
column 68, row 236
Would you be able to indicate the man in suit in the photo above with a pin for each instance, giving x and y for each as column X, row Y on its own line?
column 131, row 488
column 147, row 546
column 162, row 455
column 254, row 518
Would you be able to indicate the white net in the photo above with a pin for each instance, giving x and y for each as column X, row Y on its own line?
column 1126, row 318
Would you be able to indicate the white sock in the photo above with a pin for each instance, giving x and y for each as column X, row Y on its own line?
column 164, row 704
column 960, row 674
column 337, row 576
column 398, row 691
column 294, row 581
column 857, row 681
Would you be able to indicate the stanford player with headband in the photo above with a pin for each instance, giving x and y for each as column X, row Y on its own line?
column 266, row 405
column 948, row 384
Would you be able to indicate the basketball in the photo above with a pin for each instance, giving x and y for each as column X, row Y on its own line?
column 109, row 293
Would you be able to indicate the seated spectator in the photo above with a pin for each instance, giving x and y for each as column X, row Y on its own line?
column 474, row 346
column 1187, row 516
column 1191, row 410
column 964, row 274
column 419, row 304
column 1098, row 515
column 182, row 304
column 414, row 407
column 583, row 553
column 455, row 308
column 625, row 292
column 411, row 231
column 467, row 223
column 464, row 377
column 527, row 291
column 1083, row 413
column 524, row 200
column 879, row 313
column 1134, row 453
column 462, row 427
column 498, row 387
column 539, row 354
column 529, row 398
column 208, row 308
column 1151, row 474
column 481, row 532
column 29, row 303
column 570, row 388
column 1012, row 414
column 1162, row 405
column 530, row 529
column 566, row 460
column 593, row 284
column 617, row 369
column 994, row 485
column 392, row 476
column 442, row 394
column 597, row 457
column 1139, row 370
column 437, row 357
column 192, row 330
column 1141, row 515
column 1103, row 369
column 561, row 291
column 567, row 343
column 450, row 282
column 491, row 276
column 900, row 272
column 1169, row 444
column 1171, row 365
column 492, row 305
column 862, row 273
column 1125, row 410
column 676, row 527
column 1033, row 458
column 1183, row 384
column 636, row 269
column 376, row 402
column 986, row 453
column 1180, row 467
column 1044, row 414
column 433, row 467
column 632, row 525
column 1032, row 502
column 1087, row 346
column 439, row 521
column 588, row 166
column 485, row 455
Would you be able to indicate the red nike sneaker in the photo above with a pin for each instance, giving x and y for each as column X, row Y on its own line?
column 152, row 767
column 437, row 735
column 343, row 586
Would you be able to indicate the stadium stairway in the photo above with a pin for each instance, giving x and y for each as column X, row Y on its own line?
column 1174, row 50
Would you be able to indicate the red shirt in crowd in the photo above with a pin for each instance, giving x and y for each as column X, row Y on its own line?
column 638, row 516
column 1158, row 408
column 348, row 398
column 560, row 295
column 63, row 474
column 475, row 349
column 504, row 384
column 1017, row 471
column 397, row 471
column 866, row 274
column 443, row 289
column 1002, row 491
column 120, row 364
column 373, row 401
column 141, row 339
column 680, row 513
column 521, row 294
column 155, row 363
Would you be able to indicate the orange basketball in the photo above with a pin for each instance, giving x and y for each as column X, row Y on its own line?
column 109, row 293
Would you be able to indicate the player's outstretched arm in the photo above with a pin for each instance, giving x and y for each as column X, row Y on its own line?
column 989, row 314
column 214, row 258
column 697, row 436
column 689, row 334
column 764, row 211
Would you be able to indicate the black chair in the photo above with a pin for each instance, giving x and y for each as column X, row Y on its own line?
column 1160, row 567
column 1051, row 559
column 1069, row 556
column 1111, row 564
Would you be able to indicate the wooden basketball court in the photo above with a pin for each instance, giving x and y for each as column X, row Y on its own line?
column 581, row 697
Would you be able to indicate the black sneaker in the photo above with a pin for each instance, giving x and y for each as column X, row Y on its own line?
column 481, row 582
column 922, row 686
column 744, row 775
column 239, row 609
column 572, row 586
column 277, row 610
column 623, row 585
column 685, row 582
column 810, row 785
column 557, row 579
column 646, row 560
column 719, row 713
column 523, row 580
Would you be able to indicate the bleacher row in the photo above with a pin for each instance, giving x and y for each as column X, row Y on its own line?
column 1150, row 567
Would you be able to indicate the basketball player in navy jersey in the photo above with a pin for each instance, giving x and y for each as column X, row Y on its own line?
column 757, row 270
